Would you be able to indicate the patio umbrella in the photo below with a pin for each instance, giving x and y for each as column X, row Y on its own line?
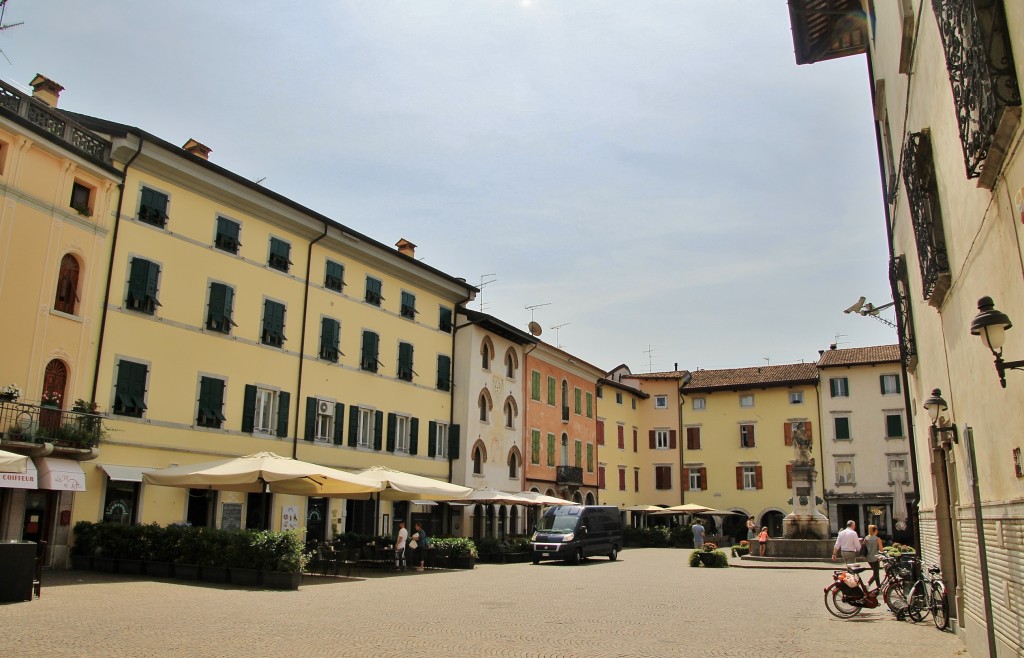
column 899, row 497
column 398, row 485
column 642, row 508
column 262, row 472
column 534, row 498
column 487, row 495
column 688, row 508
column 11, row 462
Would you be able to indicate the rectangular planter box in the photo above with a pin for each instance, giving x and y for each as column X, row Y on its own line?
column 81, row 562
column 281, row 580
column 214, row 574
column 130, row 567
column 104, row 564
column 245, row 577
column 186, row 571
column 160, row 569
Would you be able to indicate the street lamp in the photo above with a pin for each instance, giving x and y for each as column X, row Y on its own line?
column 991, row 324
column 935, row 406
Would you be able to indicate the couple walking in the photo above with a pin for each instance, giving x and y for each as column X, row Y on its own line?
column 417, row 544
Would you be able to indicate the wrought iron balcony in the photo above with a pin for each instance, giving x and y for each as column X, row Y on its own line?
column 36, row 425
column 926, row 215
column 904, row 315
column 570, row 475
column 75, row 136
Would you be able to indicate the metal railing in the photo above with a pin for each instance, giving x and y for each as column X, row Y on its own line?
column 38, row 424
column 54, row 122
column 569, row 475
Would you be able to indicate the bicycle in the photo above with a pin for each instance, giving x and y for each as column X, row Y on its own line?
column 928, row 595
column 899, row 578
column 848, row 595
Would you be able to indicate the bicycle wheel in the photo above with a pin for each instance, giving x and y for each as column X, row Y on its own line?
column 917, row 602
column 893, row 596
column 836, row 606
column 939, row 606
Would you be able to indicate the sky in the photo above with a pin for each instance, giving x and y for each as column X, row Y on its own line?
column 660, row 175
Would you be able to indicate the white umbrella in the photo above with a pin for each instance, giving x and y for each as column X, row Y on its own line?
column 534, row 498
column 398, row 485
column 264, row 471
column 642, row 508
column 899, row 498
column 688, row 508
column 11, row 462
column 487, row 495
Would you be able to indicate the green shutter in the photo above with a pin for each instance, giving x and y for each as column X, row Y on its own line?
column 405, row 361
column 310, row 419
column 329, row 331
column 535, row 385
column 215, row 313
column 577, row 396
column 453, row 441
column 431, row 439
column 590, row 405
column 881, row 383
column 551, row 391
column 894, row 425
column 444, row 372
column 832, row 387
column 551, row 449
column 578, row 454
column 368, row 357
column 392, row 419
column 842, row 428
column 353, row 426
column 535, row 447
column 414, row 436
column 378, row 430
column 249, row 409
column 590, row 457
column 339, row 417
column 444, row 322
column 283, row 407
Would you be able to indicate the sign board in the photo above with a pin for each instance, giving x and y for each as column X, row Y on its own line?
column 231, row 516
column 290, row 518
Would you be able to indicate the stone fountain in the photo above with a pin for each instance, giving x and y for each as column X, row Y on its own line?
column 805, row 533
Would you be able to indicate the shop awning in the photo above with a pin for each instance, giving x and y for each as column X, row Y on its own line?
column 27, row 480
column 60, row 474
column 124, row 473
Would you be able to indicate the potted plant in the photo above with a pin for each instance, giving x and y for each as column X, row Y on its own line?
column 214, row 557
column 190, row 549
column 243, row 567
column 462, row 552
column 709, row 556
column 10, row 393
column 741, row 549
column 84, row 548
column 284, row 558
column 163, row 549
column 50, row 399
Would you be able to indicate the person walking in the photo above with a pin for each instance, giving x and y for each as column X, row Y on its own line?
column 698, row 533
column 874, row 544
column 400, row 541
column 420, row 541
column 847, row 543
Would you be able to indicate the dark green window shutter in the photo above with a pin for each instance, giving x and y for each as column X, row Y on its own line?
column 218, row 317
column 408, row 307
column 444, row 372
column 310, row 419
column 211, row 401
column 280, row 252
column 353, row 426
column 392, row 419
column 378, row 430
column 832, row 387
column 893, row 425
column 142, row 286
column 373, row 291
column 444, row 322
column 414, row 436
column 330, row 330
column 881, row 383
column 551, row 390
column 283, row 407
column 227, row 235
column 431, row 439
column 842, row 428
column 273, row 323
column 334, row 276
column 368, row 358
column 153, row 207
column 405, row 361
column 249, row 409
column 339, row 417
column 453, row 442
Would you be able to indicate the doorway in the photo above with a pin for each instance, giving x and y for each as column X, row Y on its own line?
column 199, row 510
column 316, row 519
column 37, row 521
column 773, row 521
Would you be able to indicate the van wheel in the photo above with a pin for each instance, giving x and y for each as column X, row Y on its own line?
column 577, row 556
column 536, row 560
column 614, row 555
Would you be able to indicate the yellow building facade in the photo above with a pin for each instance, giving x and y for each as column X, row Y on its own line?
column 618, row 444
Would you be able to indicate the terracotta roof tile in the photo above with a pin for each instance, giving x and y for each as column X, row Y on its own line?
column 752, row 377
column 860, row 356
column 672, row 374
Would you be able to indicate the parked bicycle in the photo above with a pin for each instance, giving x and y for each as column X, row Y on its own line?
column 928, row 595
column 848, row 595
column 898, row 580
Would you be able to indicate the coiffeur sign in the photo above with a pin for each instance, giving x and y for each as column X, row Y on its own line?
column 27, row 480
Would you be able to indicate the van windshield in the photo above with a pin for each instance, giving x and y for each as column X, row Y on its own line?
column 558, row 523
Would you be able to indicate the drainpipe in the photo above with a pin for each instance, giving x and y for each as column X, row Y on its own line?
column 110, row 269
column 682, row 445
column 302, row 342
column 451, row 398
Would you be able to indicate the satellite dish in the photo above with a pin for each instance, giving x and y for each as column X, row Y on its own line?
column 686, row 378
column 855, row 308
column 535, row 329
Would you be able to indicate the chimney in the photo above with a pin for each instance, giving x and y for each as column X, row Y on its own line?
column 195, row 148
column 45, row 90
column 406, row 248
column 675, row 366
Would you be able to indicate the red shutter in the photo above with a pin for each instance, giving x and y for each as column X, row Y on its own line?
column 600, row 477
column 807, row 428
column 635, row 442
column 653, row 444
column 672, row 439
column 752, row 444
column 600, row 432
column 789, row 476
column 787, row 432
column 622, row 479
column 622, row 437
column 739, row 477
column 704, row 478
column 757, row 477
column 686, row 479
column 693, row 438
column 636, row 479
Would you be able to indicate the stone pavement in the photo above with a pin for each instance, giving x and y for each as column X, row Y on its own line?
column 649, row 603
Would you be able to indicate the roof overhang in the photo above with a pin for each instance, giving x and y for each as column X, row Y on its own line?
column 827, row 29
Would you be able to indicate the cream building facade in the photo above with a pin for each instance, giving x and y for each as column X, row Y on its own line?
column 620, row 465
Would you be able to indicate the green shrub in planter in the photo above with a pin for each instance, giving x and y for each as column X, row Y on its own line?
column 681, row 537
column 164, row 544
column 709, row 556
column 86, row 539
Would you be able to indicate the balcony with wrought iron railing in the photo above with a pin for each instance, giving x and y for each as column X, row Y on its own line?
column 75, row 136
column 34, row 427
column 569, row 475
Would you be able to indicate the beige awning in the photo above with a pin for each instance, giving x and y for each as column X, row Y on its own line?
column 12, row 462
column 27, row 480
column 124, row 473
column 60, row 474
column 399, row 485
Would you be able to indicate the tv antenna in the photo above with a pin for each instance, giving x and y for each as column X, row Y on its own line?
column 6, row 26
column 869, row 310
column 482, row 284
column 650, row 355
column 535, row 328
column 555, row 329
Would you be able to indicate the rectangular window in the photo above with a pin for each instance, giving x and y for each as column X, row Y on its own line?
column 590, row 405
column 408, row 308
column 844, row 471
column 636, row 440
column 228, row 234
column 661, row 439
column 374, row 289
column 746, row 436
column 330, row 339
column 894, row 426
column 265, row 411
column 334, row 276
column 535, row 385
column 401, row 433
column 890, row 384
column 578, row 454
column 842, row 425
column 632, row 402
column 444, row 319
column 280, row 252
column 636, row 479
column 220, row 307
column 551, row 449
column 618, row 397
column 273, row 324
column 600, row 392
column 368, row 354
column 265, row 417
column 442, row 441
column 577, row 401
column 747, row 400
column 898, row 469
column 620, row 430
column 693, row 438
column 662, row 477
column 552, row 392
column 699, row 404
column 695, row 481
column 211, row 402
column 750, row 477
column 590, row 458
column 796, row 397
column 366, row 430
column 661, row 402
column 599, row 426
column 323, row 429
column 81, row 199
column 143, row 282
column 535, row 447
column 130, row 390
column 622, row 478
column 405, row 371
column 600, row 476
column 444, row 372
column 152, row 207
column 839, row 387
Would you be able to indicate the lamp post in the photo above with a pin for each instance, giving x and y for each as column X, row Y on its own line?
column 935, row 406
column 992, row 324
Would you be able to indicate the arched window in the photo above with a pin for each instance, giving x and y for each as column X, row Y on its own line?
column 55, row 379
column 513, row 463
column 577, row 498
column 591, row 500
column 67, row 285
column 484, row 403
column 479, row 457
column 486, row 353
column 510, row 413
column 511, row 363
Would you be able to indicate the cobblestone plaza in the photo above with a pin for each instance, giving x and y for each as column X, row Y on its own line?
column 649, row 603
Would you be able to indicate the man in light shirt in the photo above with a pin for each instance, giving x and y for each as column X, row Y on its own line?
column 403, row 534
column 847, row 543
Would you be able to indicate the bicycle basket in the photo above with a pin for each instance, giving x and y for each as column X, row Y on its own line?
column 848, row 584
